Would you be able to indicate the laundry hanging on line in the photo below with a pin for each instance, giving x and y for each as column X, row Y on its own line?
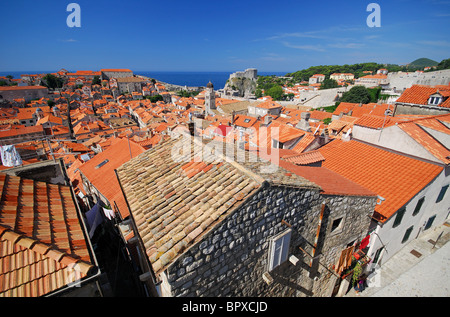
column 10, row 156
column 94, row 219
column 364, row 242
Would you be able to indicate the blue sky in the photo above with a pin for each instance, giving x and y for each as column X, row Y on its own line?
column 219, row 35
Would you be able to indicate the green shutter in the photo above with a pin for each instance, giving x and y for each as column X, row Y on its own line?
column 407, row 234
column 418, row 206
column 399, row 217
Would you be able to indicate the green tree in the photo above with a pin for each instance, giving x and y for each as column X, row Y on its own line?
column 374, row 93
column 258, row 93
column 156, row 98
column 276, row 92
column 51, row 81
column 329, row 83
column 358, row 94
column 444, row 64
column 96, row 80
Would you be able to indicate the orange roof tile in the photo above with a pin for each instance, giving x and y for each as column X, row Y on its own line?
column 330, row 182
column 395, row 177
column 304, row 143
column 104, row 178
column 40, row 237
column 269, row 104
column 418, row 94
column 285, row 132
column 305, row 158
column 420, row 135
column 245, row 121
column 377, row 122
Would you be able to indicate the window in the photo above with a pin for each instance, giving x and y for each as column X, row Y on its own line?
column 279, row 249
column 418, row 206
column 399, row 217
column 377, row 255
column 407, row 234
column 102, row 163
column 429, row 222
column 434, row 100
column 336, row 224
column 442, row 193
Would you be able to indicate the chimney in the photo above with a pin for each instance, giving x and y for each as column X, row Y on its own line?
column 267, row 119
column 304, row 122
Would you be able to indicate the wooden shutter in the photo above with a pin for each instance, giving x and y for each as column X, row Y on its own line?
column 279, row 249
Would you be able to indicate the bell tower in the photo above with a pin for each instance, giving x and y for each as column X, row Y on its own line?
column 210, row 98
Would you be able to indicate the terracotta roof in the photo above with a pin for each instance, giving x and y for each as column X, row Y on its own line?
column 371, row 108
column 377, row 122
column 21, row 130
column 245, row 121
column 104, row 178
column 418, row 94
column 331, row 183
column 344, row 107
column 285, row 132
column 41, row 238
column 50, row 118
column 419, row 131
column 304, row 143
column 320, row 115
column 394, row 177
column 176, row 198
column 269, row 104
column 305, row 158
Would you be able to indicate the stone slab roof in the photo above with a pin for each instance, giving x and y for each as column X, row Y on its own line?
column 176, row 198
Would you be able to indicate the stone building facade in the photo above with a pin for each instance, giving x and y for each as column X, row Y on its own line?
column 9, row 93
column 232, row 258
column 129, row 84
column 211, row 228
column 210, row 98
column 116, row 73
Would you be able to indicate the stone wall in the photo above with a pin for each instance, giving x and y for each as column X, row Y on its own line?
column 231, row 259
column 28, row 93
column 419, row 110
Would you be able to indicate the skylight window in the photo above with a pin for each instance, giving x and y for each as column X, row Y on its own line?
column 101, row 164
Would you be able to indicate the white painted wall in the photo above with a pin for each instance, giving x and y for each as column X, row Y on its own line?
column 393, row 138
column 392, row 237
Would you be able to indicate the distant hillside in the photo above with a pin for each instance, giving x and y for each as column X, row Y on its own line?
column 423, row 62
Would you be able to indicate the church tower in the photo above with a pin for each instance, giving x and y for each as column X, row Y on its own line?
column 210, row 99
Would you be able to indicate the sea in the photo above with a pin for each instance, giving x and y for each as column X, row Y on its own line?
column 190, row 79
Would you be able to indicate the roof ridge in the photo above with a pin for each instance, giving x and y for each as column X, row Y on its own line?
column 425, row 118
column 43, row 249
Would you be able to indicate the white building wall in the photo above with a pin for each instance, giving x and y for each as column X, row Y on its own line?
column 391, row 238
column 393, row 138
